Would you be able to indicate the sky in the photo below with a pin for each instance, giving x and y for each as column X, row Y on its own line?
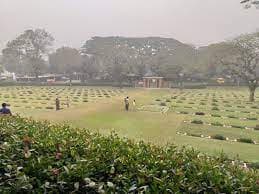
column 72, row 22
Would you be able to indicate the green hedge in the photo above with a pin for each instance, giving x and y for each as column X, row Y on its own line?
column 37, row 157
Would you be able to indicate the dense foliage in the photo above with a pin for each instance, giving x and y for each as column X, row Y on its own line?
column 40, row 157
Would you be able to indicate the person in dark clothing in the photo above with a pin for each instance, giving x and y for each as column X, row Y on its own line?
column 4, row 110
column 57, row 104
column 126, row 103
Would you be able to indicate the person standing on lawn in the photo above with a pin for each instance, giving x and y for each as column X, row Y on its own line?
column 57, row 104
column 126, row 100
column 134, row 104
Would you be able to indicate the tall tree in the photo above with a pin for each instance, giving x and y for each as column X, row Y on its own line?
column 89, row 67
column 28, row 49
column 65, row 60
column 118, row 69
column 243, row 61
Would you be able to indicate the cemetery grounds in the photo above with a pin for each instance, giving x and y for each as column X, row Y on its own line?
column 212, row 120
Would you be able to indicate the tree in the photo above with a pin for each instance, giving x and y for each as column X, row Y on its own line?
column 118, row 70
column 65, row 60
column 27, row 52
column 1, row 68
column 249, row 3
column 243, row 60
column 89, row 67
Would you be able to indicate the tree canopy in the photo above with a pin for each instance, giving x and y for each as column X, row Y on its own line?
column 249, row 3
column 27, row 53
column 242, row 60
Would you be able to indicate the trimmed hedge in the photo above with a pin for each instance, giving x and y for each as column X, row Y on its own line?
column 37, row 157
column 200, row 113
column 245, row 140
column 197, row 122
column 217, row 124
column 215, row 115
column 218, row 137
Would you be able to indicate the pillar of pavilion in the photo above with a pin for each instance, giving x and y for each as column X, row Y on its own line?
column 153, row 82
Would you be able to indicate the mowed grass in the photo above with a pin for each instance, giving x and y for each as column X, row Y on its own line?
column 107, row 114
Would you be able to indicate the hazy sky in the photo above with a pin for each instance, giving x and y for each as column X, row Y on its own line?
column 72, row 22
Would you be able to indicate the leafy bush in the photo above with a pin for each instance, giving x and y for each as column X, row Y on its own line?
column 218, row 137
column 168, row 100
column 256, row 127
column 37, row 157
column 197, row 122
column 245, row 140
column 158, row 100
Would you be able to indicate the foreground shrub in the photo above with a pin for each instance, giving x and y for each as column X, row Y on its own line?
column 218, row 137
column 37, row 157
column 245, row 140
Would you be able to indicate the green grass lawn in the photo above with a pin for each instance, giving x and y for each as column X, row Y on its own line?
column 106, row 114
